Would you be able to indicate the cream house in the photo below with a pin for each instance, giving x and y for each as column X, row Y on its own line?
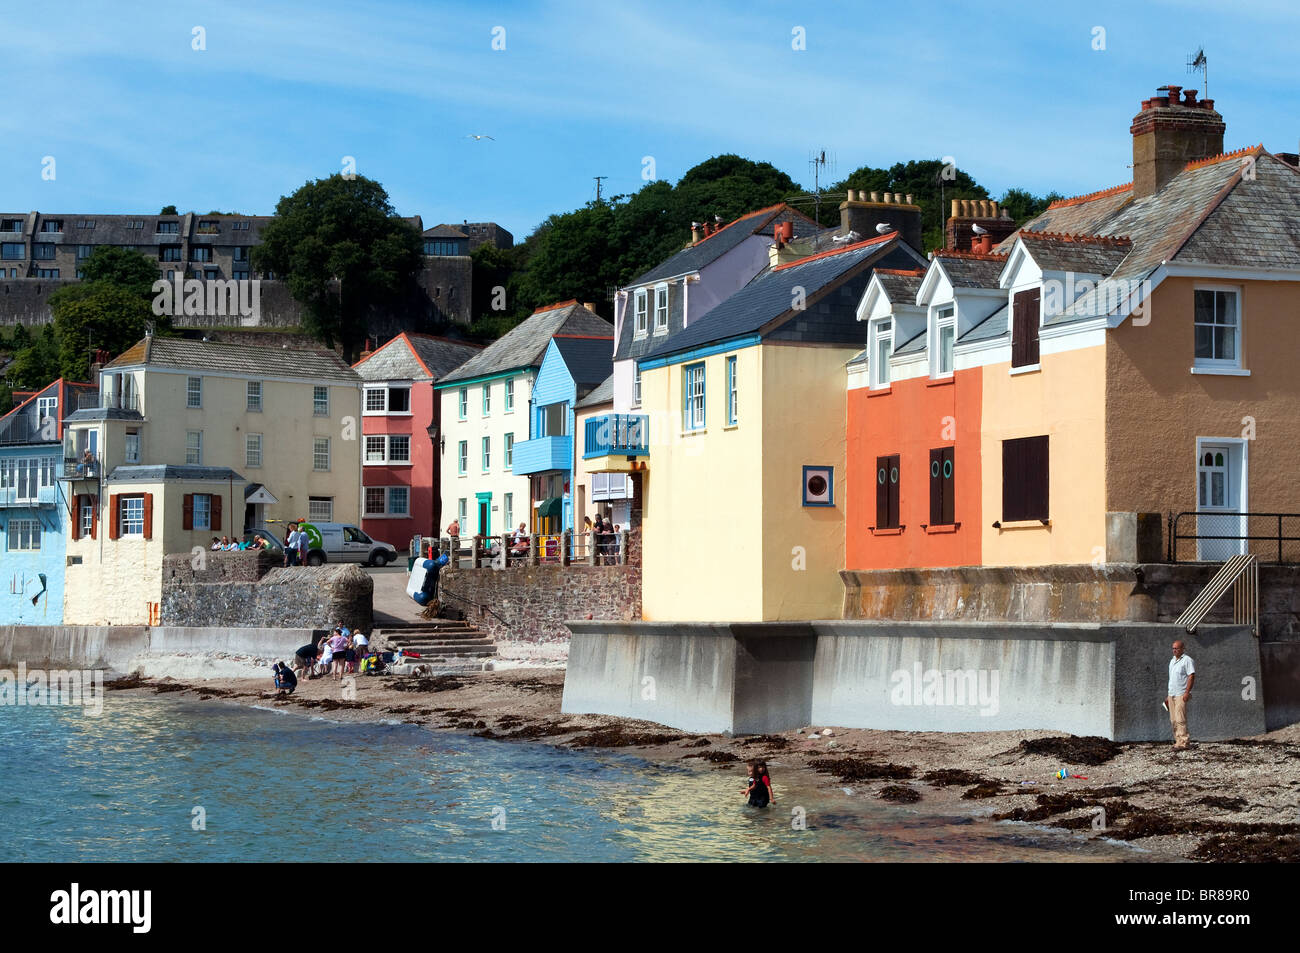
column 189, row 440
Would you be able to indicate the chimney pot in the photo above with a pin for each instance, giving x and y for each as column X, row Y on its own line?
column 875, row 196
column 909, row 198
column 1174, row 91
column 887, row 198
column 1189, row 97
column 955, row 206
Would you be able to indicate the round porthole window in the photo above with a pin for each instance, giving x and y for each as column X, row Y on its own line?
column 817, row 485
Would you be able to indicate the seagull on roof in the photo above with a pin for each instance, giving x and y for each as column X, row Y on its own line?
column 884, row 228
column 472, row 136
column 978, row 230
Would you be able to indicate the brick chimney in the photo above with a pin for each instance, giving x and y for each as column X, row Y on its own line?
column 959, row 232
column 1170, row 132
column 861, row 212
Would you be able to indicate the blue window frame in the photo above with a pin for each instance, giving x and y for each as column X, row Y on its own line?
column 693, row 397
column 464, row 402
column 818, row 486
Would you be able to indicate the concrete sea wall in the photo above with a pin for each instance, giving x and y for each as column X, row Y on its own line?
column 1096, row 679
column 115, row 647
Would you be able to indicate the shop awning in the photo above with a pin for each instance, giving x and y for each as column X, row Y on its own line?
column 551, row 506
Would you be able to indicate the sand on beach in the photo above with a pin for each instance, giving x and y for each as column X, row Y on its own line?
column 1220, row 801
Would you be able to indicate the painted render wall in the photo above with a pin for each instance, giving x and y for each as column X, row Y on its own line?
column 1156, row 408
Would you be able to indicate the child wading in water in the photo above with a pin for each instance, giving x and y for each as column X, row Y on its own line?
column 760, row 785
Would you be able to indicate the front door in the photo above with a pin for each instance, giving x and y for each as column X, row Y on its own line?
column 485, row 514
column 1220, row 490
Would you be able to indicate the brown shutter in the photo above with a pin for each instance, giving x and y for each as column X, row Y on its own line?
column 936, row 488
column 1031, row 321
column 1017, row 331
column 187, row 511
column 114, row 516
column 1024, row 479
column 94, row 517
column 216, row 511
column 1024, row 328
column 895, row 482
column 76, row 516
column 148, row 516
column 1036, row 478
column 882, row 492
column 949, row 476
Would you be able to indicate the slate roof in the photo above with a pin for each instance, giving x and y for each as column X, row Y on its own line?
column 415, row 357
column 1076, row 253
column 694, row 257
column 900, row 287
column 444, row 231
column 969, row 270
column 155, row 473
column 771, row 294
column 994, row 326
column 602, row 393
column 525, row 345
column 253, row 360
column 590, row 360
column 102, row 413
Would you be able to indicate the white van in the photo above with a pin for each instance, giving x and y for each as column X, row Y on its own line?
column 344, row 543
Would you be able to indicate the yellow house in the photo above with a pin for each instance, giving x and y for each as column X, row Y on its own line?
column 190, row 439
column 744, row 419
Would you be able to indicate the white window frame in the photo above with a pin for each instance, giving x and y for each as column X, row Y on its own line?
column 47, row 408
column 487, row 399
column 124, row 518
column 252, row 457
column 393, row 439
column 316, row 402
column 194, row 392
column 733, row 416
column 691, row 421
column 486, row 454
column 509, row 451
column 941, row 319
column 636, row 385
column 315, row 454
column 464, row 403
column 508, row 513
column 320, row 509
column 87, row 517
column 365, row 501
column 510, row 395
column 253, row 391
column 462, row 512
column 207, row 512
column 391, row 511
column 880, row 330
column 1220, row 365
column 641, row 312
column 382, row 393
column 378, row 455
column 20, row 532
column 661, row 292
column 194, row 448
column 462, row 458
column 131, row 446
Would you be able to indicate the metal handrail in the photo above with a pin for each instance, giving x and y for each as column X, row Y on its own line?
column 1241, row 574
column 1278, row 537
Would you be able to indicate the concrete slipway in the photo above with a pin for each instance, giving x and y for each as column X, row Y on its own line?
column 742, row 678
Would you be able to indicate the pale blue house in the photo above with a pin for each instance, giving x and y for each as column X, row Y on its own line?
column 571, row 368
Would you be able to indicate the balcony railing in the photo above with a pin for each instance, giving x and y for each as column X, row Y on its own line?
column 101, row 401
column 542, row 454
column 79, row 470
column 617, row 435
column 11, row 496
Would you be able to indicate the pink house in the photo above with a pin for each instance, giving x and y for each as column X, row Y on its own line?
column 400, row 492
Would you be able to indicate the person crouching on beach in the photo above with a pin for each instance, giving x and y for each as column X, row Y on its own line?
column 285, row 680
column 757, row 791
column 304, row 660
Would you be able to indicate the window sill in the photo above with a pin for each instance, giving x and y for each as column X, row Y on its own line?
column 941, row 530
column 1026, row 369
column 731, row 427
column 879, row 391
column 887, row 530
column 941, row 381
column 1001, row 525
column 695, row 433
column 386, row 463
column 1221, row 371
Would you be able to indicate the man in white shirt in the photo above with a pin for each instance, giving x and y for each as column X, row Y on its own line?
column 1182, row 675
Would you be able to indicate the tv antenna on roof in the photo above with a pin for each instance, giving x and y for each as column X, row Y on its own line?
column 819, row 162
column 1198, row 61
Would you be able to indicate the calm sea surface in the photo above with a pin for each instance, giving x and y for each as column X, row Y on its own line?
column 124, row 785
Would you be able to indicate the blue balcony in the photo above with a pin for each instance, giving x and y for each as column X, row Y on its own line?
column 617, row 435
column 542, row 454
column 12, row 496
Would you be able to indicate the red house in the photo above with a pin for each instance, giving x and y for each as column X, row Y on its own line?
column 400, row 495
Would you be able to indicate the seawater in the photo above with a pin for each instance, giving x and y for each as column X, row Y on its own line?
column 274, row 786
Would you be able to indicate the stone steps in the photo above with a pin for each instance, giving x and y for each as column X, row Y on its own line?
column 440, row 639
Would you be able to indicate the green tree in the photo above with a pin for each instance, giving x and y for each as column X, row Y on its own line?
column 726, row 187
column 132, row 271
column 1022, row 205
column 342, row 249
column 169, row 210
column 20, row 339
column 92, row 316
column 6, row 399
column 37, row 364
column 932, row 183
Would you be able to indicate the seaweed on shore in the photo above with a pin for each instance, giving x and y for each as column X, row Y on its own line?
column 949, row 776
column 541, row 729
column 617, row 736
column 859, row 769
column 770, row 741
column 1224, row 803
column 698, row 743
column 134, row 680
column 982, row 790
column 715, row 757
column 1090, row 749
column 899, row 793
column 164, row 687
column 1248, row 849
column 438, row 683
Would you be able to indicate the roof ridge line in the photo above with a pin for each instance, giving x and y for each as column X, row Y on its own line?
column 1091, row 196
column 837, row 251
column 1080, row 237
column 1222, row 156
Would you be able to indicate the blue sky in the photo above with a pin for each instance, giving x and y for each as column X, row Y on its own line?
column 135, row 118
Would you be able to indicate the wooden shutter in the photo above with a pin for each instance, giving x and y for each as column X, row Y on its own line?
column 148, row 516
column 943, row 476
column 1024, row 328
column 76, row 516
column 1025, row 493
column 114, row 516
column 94, row 517
column 187, row 511
column 882, row 492
column 215, row 511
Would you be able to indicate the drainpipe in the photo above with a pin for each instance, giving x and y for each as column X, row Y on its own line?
column 686, row 300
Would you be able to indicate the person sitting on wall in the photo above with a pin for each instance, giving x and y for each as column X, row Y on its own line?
column 519, row 541
column 429, row 588
column 216, row 544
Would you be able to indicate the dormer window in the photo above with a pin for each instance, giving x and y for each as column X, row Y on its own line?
column 942, row 341
column 881, row 349
column 661, row 309
column 641, row 306
column 1024, row 327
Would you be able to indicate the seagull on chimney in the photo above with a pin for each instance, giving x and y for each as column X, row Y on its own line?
column 978, row 230
column 884, row 228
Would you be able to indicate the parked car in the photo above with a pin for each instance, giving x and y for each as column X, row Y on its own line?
column 344, row 543
column 273, row 545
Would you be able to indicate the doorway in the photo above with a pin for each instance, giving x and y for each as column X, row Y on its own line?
column 1221, row 498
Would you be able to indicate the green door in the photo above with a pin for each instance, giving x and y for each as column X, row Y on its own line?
column 484, row 513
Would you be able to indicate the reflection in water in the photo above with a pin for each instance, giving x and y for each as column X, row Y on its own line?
column 271, row 786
